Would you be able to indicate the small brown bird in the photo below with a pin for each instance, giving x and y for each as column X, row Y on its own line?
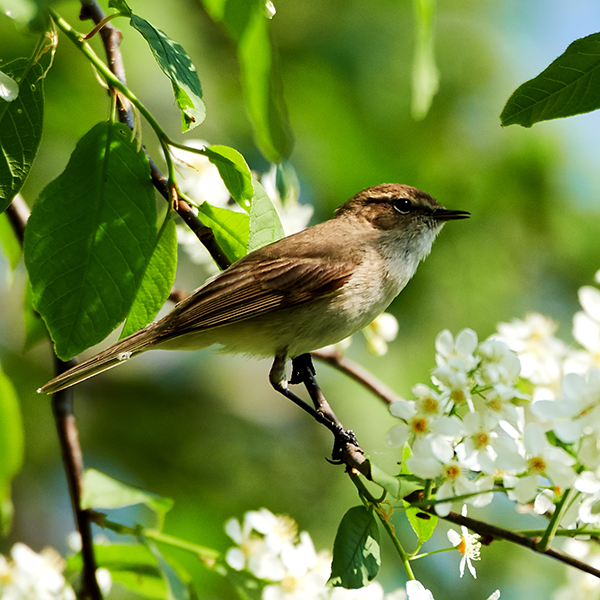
column 303, row 292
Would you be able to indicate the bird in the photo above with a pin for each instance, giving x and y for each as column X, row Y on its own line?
column 297, row 294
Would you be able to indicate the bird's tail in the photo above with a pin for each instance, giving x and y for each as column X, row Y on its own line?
column 113, row 356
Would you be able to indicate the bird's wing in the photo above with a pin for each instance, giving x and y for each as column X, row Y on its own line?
column 249, row 289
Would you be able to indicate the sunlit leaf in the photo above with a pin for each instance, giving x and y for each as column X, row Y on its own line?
column 265, row 225
column 425, row 74
column 176, row 588
column 387, row 482
column 20, row 127
column 356, row 552
column 11, row 447
column 102, row 491
column 230, row 229
column 89, row 239
column 157, row 282
column 175, row 63
column 9, row 243
column 234, row 172
column 132, row 566
column 568, row 86
column 423, row 524
column 248, row 24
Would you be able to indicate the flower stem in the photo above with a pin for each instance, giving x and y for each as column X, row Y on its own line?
column 550, row 532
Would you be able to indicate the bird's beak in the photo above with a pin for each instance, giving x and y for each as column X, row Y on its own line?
column 443, row 214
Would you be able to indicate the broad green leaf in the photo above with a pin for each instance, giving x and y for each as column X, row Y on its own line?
column 102, row 491
column 133, row 566
column 121, row 6
column 425, row 74
column 247, row 22
column 568, row 86
column 356, row 552
column 9, row 242
column 20, row 127
column 176, row 588
column 265, row 225
column 387, row 482
column 11, row 447
column 230, row 229
column 157, row 282
column 423, row 524
column 35, row 330
column 89, row 239
column 234, row 172
column 175, row 64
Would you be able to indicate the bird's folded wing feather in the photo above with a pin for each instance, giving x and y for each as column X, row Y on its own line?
column 250, row 289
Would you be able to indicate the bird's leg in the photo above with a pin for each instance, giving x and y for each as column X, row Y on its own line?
column 303, row 371
column 279, row 382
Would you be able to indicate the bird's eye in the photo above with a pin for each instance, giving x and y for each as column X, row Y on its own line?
column 403, row 205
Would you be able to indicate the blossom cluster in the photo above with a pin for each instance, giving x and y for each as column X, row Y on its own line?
column 27, row 575
column 518, row 412
column 31, row 575
column 269, row 549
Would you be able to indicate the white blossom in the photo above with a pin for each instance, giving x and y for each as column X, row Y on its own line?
column 379, row 332
column 541, row 353
column 32, row 575
column 417, row 591
column 586, row 330
column 467, row 544
column 577, row 412
column 9, row 88
column 461, row 348
column 199, row 178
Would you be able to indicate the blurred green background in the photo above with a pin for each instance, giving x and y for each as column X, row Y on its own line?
column 207, row 429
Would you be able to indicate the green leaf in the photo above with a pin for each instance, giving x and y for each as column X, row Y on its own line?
column 121, row 6
column 568, row 86
column 89, row 239
column 157, row 282
column 102, row 491
column 425, row 74
column 20, row 127
column 356, row 552
column 178, row 67
column 230, row 229
column 133, row 566
column 265, row 225
column 176, row 588
column 35, row 330
column 234, row 172
column 9, row 242
column 247, row 23
column 423, row 524
column 387, row 482
column 11, row 447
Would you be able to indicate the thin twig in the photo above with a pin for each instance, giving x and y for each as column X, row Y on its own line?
column 489, row 532
column 358, row 373
column 64, row 417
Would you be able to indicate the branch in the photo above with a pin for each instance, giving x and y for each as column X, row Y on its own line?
column 111, row 38
column 358, row 373
column 490, row 532
column 64, row 417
